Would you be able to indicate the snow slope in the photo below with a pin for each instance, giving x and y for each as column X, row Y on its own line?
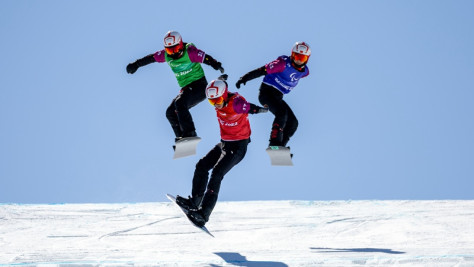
column 263, row 233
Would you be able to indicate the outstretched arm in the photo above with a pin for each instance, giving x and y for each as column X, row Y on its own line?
column 254, row 109
column 208, row 60
column 197, row 55
column 133, row 67
column 278, row 65
column 242, row 106
column 251, row 75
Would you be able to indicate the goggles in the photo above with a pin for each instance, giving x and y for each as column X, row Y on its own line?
column 216, row 101
column 174, row 49
column 299, row 57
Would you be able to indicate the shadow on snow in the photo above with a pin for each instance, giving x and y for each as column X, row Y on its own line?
column 239, row 260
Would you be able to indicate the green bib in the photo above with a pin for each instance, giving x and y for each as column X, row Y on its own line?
column 185, row 71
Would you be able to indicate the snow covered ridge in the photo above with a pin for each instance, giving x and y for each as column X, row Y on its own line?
column 254, row 233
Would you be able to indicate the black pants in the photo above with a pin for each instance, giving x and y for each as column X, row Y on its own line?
column 285, row 122
column 178, row 111
column 220, row 159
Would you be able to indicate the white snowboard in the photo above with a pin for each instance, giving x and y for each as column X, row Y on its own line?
column 280, row 155
column 186, row 147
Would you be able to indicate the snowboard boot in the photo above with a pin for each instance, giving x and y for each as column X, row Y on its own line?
column 197, row 218
column 189, row 134
column 208, row 204
column 177, row 130
column 276, row 136
column 190, row 203
column 184, row 135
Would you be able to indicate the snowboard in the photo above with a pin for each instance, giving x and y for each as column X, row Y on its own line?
column 280, row 155
column 203, row 228
column 185, row 147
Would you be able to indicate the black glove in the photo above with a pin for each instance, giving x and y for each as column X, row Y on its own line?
column 223, row 77
column 254, row 109
column 239, row 82
column 132, row 67
column 219, row 67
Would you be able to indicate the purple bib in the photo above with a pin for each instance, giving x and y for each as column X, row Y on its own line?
column 287, row 79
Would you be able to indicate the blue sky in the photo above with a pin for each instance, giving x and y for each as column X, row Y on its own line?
column 386, row 112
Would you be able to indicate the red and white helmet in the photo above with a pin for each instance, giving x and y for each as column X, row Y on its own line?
column 301, row 48
column 172, row 38
column 216, row 92
column 300, row 54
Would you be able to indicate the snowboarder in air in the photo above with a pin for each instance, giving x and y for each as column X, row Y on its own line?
column 281, row 76
column 232, row 114
column 185, row 62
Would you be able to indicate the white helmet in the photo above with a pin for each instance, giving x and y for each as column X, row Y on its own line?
column 172, row 38
column 301, row 48
column 216, row 89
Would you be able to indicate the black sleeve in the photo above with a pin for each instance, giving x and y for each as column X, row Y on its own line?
column 254, row 74
column 145, row 60
column 208, row 60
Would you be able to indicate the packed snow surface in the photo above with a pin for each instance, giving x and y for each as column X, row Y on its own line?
column 259, row 233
